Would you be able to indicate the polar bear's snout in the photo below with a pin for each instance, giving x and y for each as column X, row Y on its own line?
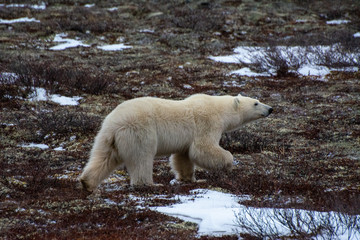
column 267, row 110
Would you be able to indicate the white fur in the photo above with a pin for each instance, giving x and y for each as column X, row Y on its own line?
column 139, row 129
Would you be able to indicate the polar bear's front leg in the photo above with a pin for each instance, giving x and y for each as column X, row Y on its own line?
column 183, row 167
column 210, row 156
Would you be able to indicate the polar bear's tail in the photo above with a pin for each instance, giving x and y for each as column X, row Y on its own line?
column 104, row 158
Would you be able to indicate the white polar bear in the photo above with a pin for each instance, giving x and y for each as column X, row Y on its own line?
column 139, row 129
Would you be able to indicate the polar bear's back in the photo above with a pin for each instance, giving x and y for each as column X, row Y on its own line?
column 170, row 121
column 151, row 107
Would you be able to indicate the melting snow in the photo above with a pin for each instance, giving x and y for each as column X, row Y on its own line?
column 66, row 42
column 112, row 9
column 59, row 149
column 18, row 20
column 147, row 31
column 62, row 100
column 218, row 213
column 42, row 6
column 41, row 95
column 114, row 47
column 247, row 72
column 313, row 70
column 301, row 21
column 242, row 54
column 34, row 145
column 337, row 22
column 305, row 55
column 212, row 210
column 89, row 5
column 187, row 86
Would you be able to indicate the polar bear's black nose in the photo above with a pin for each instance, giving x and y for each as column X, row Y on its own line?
column 270, row 110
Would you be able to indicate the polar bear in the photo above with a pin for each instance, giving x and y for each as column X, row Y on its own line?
column 189, row 130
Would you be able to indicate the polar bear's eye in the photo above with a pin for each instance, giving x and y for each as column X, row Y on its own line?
column 256, row 104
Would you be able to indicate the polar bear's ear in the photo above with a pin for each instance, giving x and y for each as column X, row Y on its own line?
column 239, row 95
column 236, row 102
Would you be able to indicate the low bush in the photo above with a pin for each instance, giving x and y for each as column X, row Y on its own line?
column 61, row 122
column 285, row 61
column 299, row 224
column 56, row 77
column 243, row 142
column 199, row 20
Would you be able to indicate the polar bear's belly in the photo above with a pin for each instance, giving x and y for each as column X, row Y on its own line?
column 173, row 139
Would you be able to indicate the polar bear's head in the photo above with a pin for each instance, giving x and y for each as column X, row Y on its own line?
column 251, row 109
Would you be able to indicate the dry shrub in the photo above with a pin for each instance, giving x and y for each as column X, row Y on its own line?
column 57, row 77
column 61, row 122
column 337, row 56
column 31, row 174
column 270, row 224
column 199, row 20
column 284, row 62
column 336, row 49
column 243, row 142
column 81, row 19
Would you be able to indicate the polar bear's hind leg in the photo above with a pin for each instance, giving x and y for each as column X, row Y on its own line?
column 183, row 167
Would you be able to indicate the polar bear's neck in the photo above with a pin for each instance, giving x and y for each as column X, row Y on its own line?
column 230, row 119
column 233, row 122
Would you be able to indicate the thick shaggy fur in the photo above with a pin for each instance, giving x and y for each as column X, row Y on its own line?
column 138, row 130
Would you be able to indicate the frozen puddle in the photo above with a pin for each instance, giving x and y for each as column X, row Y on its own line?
column 219, row 214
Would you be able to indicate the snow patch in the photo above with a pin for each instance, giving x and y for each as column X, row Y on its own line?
column 114, row 47
column 41, row 6
column 307, row 57
column 62, row 100
column 34, row 145
column 313, row 70
column 147, row 31
column 247, row 72
column 301, row 21
column 89, row 5
column 40, row 94
column 187, row 86
column 213, row 211
column 113, row 9
column 232, row 83
column 66, row 42
column 59, row 149
column 356, row 35
column 18, row 20
column 337, row 22
column 218, row 214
